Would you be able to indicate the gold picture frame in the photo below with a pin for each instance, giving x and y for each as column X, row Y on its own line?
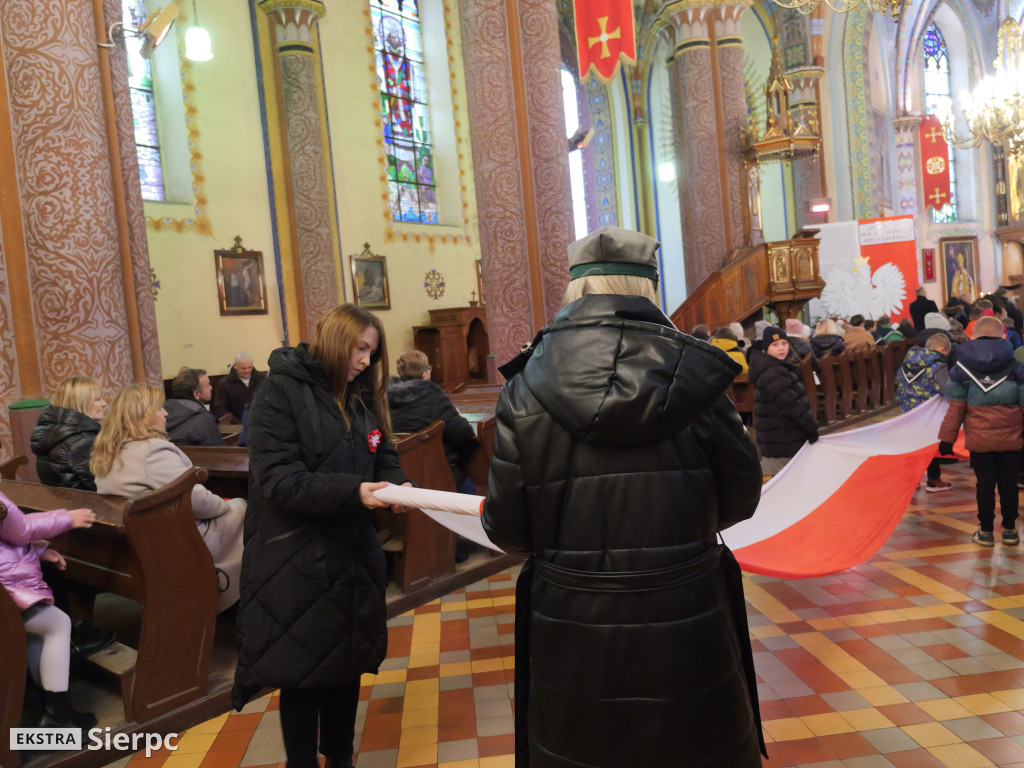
column 370, row 287
column 241, row 285
column 958, row 262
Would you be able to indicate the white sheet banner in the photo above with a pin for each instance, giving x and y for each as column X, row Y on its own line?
column 458, row 512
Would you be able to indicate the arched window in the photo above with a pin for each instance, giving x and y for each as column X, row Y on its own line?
column 570, row 102
column 938, row 100
column 140, row 84
column 403, row 98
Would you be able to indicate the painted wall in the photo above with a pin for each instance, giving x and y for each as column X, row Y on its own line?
column 232, row 195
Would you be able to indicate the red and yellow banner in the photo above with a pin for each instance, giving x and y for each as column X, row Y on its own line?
column 934, row 163
column 604, row 36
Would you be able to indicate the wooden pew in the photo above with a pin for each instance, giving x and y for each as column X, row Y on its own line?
column 742, row 394
column 9, row 469
column 13, row 666
column 859, row 371
column 147, row 549
column 476, row 463
column 811, row 387
column 428, row 550
column 227, row 468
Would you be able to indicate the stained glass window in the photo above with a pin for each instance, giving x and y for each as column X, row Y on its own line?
column 938, row 100
column 403, row 101
column 140, row 85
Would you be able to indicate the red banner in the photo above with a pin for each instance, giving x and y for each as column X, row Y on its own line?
column 934, row 164
column 604, row 36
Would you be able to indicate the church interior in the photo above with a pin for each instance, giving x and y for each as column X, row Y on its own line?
column 170, row 199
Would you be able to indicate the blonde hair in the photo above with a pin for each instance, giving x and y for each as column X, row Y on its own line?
column 334, row 340
column 619, row 285
column 77, row 393
column 412, row 364
column 826, row 326
column 989, row 326
column 127, row 420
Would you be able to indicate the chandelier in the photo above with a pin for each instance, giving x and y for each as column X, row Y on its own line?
column 891, row 7
column 995, row 110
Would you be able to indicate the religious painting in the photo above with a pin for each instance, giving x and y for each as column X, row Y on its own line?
column 370, row 280
column 1015, row 181
column 241, row 286
column 881, row 169
column 959, row 263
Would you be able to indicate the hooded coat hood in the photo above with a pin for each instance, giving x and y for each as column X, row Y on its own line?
column 189, row 423
column 986, row 354
column 62, row 442
column 613, row 369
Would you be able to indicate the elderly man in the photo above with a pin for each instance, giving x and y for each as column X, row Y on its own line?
column 188, row 421
column 235, row 390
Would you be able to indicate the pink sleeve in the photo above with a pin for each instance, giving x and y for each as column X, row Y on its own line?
column 20, row 529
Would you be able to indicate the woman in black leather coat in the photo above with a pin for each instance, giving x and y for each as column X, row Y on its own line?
column 617, row 459
column 63, row 436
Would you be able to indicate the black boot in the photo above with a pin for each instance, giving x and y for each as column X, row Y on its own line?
column 330, row 762
column 87, row 639
column 58, row 713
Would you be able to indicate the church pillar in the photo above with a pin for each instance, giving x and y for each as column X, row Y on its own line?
column 520, row 163
column 907, row 128
column 701, row 188
column 296, row 50
column 808, row 181
column 732, row 101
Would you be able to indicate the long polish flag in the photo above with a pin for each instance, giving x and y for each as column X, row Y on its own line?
column 829, row 509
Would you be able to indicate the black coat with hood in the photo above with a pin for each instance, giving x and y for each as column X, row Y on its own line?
column 312, row 612
column 782, row 413
column 62, row 442
column 416, row 403
column 188, row 423
column 617, row 459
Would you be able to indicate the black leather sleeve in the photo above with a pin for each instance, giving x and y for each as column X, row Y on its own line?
column 506, row 518
column 735, row 465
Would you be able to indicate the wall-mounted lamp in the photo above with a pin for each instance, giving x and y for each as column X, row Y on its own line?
column 580, row 139
column 152, row 31
column 197, row 40
column 822, row 205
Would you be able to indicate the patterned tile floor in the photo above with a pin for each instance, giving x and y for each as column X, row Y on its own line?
column 913, row 660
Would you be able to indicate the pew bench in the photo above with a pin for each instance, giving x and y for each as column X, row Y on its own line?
column 147, row 549
column 227, row 468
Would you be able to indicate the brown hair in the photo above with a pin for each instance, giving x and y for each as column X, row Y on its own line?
column 989, row 326
column 126, row 421
column 334, row 340
column 77, row 393
column 412, row 365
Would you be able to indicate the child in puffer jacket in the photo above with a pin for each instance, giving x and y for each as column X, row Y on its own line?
column 48, row 628
column 922, row 376
column 986, row 394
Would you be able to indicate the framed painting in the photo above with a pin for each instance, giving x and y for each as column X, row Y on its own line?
column 958, row 261
column 1015, row 181
column 370, row 280
column 241, row 285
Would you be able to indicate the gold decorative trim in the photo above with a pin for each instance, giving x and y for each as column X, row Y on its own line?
column 392, row 231
column 313, row 6
column 201, row 223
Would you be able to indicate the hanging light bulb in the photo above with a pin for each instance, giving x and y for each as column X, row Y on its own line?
column 197, row 40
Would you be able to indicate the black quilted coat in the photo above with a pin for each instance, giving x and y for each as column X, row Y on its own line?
column 617, row 459
column 62, row 442
column 312, row 611
column 782, row 413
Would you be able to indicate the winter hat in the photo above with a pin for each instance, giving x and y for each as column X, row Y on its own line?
column 741, row 337
column 614, row 251
column 794, row 327
column 772, row 334
column 759, row 327
column 936, row 320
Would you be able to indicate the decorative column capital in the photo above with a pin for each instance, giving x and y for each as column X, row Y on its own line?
column 907, row 123
column 727, row 23
column 294, row 22
column 693, row 27
column 803, row 81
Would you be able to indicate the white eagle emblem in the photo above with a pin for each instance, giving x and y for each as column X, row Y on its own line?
column 859, row 291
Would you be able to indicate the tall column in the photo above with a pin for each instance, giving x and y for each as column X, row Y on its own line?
column 732, row 100
column 907, row 128
column 700, row 177
column 303, row 129
column 808, row 181
column 520, row 163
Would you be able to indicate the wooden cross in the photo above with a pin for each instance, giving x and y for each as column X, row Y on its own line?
column 472, row 295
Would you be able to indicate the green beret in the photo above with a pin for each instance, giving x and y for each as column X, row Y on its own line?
column 614, row 251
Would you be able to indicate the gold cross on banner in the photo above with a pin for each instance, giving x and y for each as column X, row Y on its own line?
column 605, row 37
column 936, row 197
column 933, row 134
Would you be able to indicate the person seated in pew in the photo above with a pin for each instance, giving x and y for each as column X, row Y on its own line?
column 236, row 389
column 132, row 456
column 188, row 421
column 798, row 338
column 857, row 338
column 726, row 341
column 827, row 340
column 63, row 436
column 47, row 627
column 416, row 402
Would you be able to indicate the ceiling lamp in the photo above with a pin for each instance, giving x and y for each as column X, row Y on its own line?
column 152, row 31
column 995, row 109
column 197, row 40
column 889, row 7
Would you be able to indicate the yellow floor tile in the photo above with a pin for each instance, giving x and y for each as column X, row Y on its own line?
column 457, row 605
column 865, row 678
column 423, row 701
column 501, row 761
column 457, row 668
column 474, row 763
column 788, row 729
column 882, row 695
column 487, row 665
column 827, row 724
column 416, row 718
column 185, row 761
column 866, row 719
column 960, row 756
column 982, row 704
column 194, row 743
column 419, row 736
column 1014, row 698
column 943, row 709
column 931, row 734
column 389, row 676
column 424, row 659
column 422, row 687
column 423, row 754
column 210, row 726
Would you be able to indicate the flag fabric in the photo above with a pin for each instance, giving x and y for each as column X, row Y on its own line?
column 934, row 164
column 604, row 36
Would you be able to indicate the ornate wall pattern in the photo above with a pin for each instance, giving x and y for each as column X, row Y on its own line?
column 906, row 164
column 499, row 187
column 855, row 62
column 9, row 390
column 734, row 113
column 133, row 205
column 66, row 191
column 538, row 23
column 605, row 205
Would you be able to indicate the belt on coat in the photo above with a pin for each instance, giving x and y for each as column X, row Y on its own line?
column 716, row 556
